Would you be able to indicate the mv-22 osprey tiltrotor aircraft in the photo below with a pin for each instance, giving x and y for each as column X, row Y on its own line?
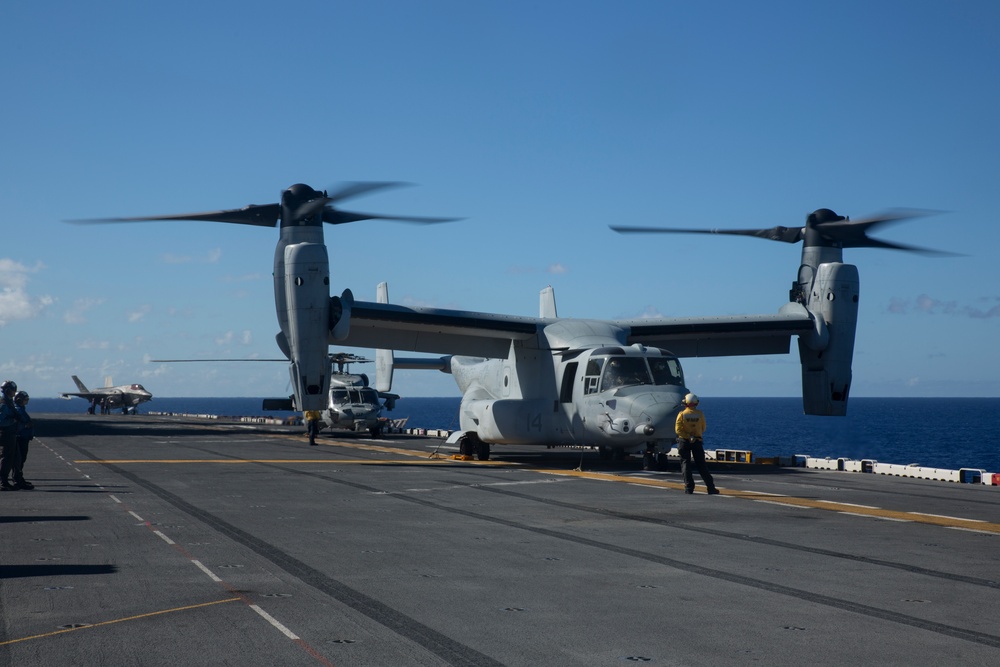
column 547, row 380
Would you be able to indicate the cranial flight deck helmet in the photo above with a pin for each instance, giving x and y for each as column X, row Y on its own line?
column 8, row 387
column 691, row 399
column 21, row 397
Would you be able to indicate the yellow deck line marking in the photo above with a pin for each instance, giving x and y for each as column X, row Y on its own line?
column 833, row 506
column 118, row 620
column 830, row 505
column 375, row 462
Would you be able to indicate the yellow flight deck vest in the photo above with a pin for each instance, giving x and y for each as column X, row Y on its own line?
column 311, row 415
column 690, row 423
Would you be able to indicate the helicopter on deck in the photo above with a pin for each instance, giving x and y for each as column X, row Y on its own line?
column 354, row 405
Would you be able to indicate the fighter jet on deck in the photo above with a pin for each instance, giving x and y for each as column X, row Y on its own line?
column 109, row 397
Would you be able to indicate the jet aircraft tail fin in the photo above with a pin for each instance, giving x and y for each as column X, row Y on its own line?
column 547, row 303
column 79, row 385
column 383, row 358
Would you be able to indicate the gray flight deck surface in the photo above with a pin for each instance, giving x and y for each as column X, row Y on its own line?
column 169, row 541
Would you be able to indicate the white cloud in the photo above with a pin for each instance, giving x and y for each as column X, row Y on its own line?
column 245, row 337
column 931, row 306
column 557, row 269
column 139, row 313
column 76, row 314
column 15, row 302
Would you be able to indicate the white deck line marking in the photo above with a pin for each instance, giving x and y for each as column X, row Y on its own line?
column 971, row 530
column 164, row 537
column 137, row 517
column 779, row 504
column 115, row 499
column 945, row 516
column 273, row 621
column 211, row 575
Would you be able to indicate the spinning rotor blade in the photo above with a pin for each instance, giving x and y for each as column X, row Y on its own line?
column 313, row 203
column 260, row 216
column 335, row 217
column 193, row 361
column 785, row 234
column 854, row 233
column 823, row 228
column 358, row 188
column 340, row 193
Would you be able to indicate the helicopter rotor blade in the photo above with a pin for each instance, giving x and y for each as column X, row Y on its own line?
column 358, row 188
column 341, row 192
column 854, row 233
column 337, row 217
column 265, row 215
column 833, row 229
column 784, row 234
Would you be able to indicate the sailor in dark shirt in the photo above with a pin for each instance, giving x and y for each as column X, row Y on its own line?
column 10, row 420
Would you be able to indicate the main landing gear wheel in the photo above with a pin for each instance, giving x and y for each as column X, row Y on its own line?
column 483, row 451
column 649, row 458
column 471, row 446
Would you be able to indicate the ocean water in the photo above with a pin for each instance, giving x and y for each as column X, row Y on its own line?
column 953, row 433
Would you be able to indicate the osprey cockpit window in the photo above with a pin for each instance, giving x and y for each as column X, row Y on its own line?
column 666, row 370
column 592, row 376
column 624, row 372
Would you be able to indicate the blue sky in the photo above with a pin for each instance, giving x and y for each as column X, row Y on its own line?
column 540, row 123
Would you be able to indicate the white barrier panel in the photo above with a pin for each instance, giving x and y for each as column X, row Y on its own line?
column 851, row 465
column 918, row 472
column 822, row 464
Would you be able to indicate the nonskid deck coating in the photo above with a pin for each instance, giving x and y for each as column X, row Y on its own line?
column 141, row 546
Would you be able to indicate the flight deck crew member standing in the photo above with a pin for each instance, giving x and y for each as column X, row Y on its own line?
column 690, row 427
column 10, row 419
column 25, row 433
column 312, row 425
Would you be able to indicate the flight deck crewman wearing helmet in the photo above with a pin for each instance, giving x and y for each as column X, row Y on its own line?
column 690, row 427
column 10, row 420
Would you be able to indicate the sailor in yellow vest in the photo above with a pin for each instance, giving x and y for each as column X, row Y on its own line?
column 690, row 427
column 312, row 418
